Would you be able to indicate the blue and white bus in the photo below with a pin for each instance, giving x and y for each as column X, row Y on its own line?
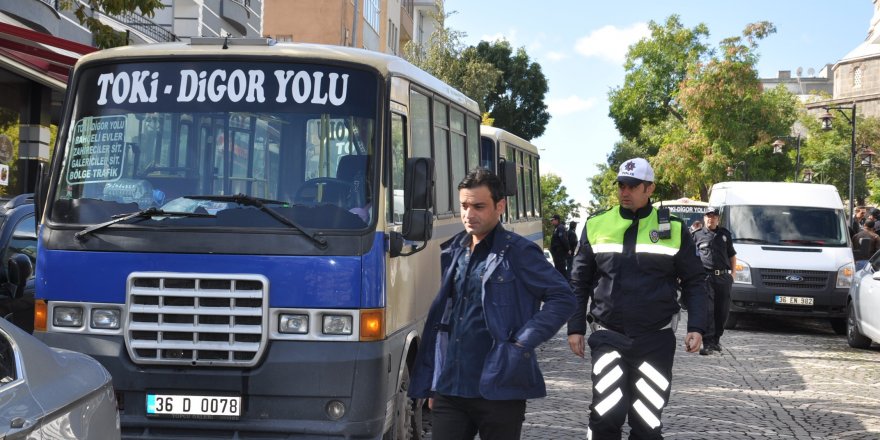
column 246, row 234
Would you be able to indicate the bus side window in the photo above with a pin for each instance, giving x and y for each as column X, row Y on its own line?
column 398, row 159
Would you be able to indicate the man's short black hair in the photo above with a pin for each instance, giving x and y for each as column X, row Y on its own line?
column 483, row 177
column 870, row 224
column 572, row 225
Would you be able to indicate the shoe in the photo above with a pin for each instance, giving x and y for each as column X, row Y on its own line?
column 716, row 347
column 706, row 350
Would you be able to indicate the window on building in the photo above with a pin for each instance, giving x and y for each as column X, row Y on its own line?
column 371, row 13
column 857, row 77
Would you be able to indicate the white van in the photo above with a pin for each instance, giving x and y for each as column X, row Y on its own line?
column 793, row 254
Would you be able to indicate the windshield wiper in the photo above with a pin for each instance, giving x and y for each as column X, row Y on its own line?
column 750, row 239
column 142, row 214
column 260, row 203
column 804, row 242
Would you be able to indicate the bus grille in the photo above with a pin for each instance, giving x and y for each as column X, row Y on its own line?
column 196, row 319
column 795, row 279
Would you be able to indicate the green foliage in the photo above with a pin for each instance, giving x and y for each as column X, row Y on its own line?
column 442, row 57
column 11, row 131
column 697, row 111
column 655, row 67
column 104, row 35
column 555, row 200
column 517, row 100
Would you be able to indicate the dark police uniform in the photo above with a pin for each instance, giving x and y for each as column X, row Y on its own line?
column 630, row 277
column 559, row 248
column 715, row 249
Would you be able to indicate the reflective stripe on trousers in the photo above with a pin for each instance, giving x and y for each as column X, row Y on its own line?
column 631, row 382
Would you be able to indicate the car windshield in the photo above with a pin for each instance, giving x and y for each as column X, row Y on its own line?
column 786, row 225
column 159, row 135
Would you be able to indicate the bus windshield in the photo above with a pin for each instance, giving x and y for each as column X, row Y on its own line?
column 299, row 138
column 786, row 225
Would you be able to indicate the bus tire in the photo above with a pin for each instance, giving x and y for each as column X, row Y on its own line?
column 407, row 423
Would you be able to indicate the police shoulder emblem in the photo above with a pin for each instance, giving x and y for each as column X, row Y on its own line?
column 655, row 236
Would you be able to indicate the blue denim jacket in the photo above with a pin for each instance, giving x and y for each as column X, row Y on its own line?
column 518, row 279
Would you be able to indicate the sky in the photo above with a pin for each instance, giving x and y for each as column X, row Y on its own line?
column 581, row 46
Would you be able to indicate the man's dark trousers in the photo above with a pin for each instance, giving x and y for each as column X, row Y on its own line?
column 632, row 378
column 718, row 288
column 460, row 418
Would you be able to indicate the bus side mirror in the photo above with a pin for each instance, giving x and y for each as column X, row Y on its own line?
column 507, row 174
column 418, row 199
column 18, row 269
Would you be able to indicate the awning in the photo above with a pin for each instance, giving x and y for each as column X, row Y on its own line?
column 40, row 57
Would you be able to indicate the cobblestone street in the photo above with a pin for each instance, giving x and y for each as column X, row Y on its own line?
column 777, row 378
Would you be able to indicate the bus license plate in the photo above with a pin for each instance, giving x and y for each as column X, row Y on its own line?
column 193, row 406
column 794, row 300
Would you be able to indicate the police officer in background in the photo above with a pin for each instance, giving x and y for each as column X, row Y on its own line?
column 715, row 245
column 572, row 247
column 628, row 268
column 559, row 245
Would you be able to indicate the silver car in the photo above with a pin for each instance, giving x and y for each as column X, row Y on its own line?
column 863, row 306
column 48, row 393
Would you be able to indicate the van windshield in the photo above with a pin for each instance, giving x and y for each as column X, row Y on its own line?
column 786, row 225
column 687, row 213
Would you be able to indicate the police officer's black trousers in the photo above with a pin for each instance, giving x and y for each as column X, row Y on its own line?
column 718, row 288
column 632, row 378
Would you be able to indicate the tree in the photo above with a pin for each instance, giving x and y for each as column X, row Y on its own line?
column 516, row 101
column 441, row 57
column 697, row 111
column 655, row 67
column 104, row 35
column 555, row 200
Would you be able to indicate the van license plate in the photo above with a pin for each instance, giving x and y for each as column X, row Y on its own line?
column 794, row 300
column 184, row 405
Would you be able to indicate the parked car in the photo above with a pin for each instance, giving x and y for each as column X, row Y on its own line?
column 52, row 393
column 863, row 306
column 18, row 235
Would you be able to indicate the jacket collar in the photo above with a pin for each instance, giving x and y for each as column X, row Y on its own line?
column 641, row 213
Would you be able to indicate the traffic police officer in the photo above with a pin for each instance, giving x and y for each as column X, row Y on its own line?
column 631, row 262
column 715, row 245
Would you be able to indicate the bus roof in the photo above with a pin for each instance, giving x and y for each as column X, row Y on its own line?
column 499, row 134
column 681, row 201
column 386, row 65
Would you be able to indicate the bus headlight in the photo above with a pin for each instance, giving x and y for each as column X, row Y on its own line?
column 337, row 324
column 106, row 319
column 296, row 324
column 65, row 316
column 845, row 276
column 743, row 273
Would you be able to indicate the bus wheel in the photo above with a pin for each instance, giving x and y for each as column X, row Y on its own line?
column 407, row 413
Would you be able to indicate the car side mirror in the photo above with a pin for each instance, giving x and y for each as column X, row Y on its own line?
column 18, row 269
column 507, row 174
column 418, row 199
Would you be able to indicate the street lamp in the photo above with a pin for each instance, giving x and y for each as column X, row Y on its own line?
column 731, row 170
column 826, row 125
column 778, row 146
column 808, row 175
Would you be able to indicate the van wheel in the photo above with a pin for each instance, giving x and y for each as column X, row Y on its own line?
column 854, row 338
column 838, row 325
column 732, row 319
column 407, row 423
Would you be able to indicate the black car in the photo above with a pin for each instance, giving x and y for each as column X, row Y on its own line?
column 18, row 235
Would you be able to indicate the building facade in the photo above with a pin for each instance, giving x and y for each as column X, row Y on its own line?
column 857, row 74
column 379, row 25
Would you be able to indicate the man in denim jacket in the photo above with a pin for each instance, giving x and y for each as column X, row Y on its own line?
column 476, row 362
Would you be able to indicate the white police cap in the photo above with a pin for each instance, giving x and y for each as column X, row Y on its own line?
column 635, row 171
